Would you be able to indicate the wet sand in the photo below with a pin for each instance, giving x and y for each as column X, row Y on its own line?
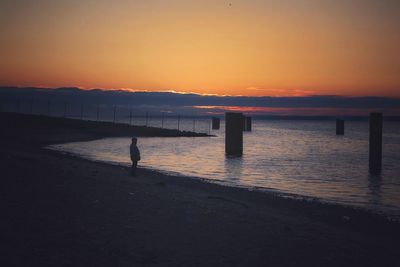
column 58, row 210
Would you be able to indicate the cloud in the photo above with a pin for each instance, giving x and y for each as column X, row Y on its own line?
column 276, row 92
column 203, row 104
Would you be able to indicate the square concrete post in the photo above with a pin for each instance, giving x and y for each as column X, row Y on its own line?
column 248, row 124
column 215, row 123
column 234, row 134
column 339, row 127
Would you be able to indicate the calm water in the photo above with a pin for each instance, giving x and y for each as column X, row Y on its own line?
column 291, row 157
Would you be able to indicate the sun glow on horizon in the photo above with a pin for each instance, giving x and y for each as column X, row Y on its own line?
column 294, row 111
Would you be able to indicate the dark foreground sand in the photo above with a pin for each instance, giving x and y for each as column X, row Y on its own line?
column 57, row 210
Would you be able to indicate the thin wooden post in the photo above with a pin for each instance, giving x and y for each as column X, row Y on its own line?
column 179, row 120
column 81, row 111
column 194, row 125
column 115, row 112
column 65, row 109
column 31, row 106
column 375, row 142
column 130, row 117
column 18, row 106
column 162, row 120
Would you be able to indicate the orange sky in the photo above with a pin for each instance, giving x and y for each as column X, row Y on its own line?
column 276, row 48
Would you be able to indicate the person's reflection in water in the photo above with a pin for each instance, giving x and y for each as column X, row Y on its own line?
column 135, row 155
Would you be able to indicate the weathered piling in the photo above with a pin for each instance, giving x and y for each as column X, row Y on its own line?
column 233, row 134
column 339, row 127
column 248, row 124
column 375, row 142
column 215, row 123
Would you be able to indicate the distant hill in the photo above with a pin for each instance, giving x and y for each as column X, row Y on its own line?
column 270, row 107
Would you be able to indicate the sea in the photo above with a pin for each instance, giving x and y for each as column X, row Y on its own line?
column 292, row 158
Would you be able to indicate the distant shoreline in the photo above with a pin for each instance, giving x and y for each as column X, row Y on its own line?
column 57, row 129
column 192, row 105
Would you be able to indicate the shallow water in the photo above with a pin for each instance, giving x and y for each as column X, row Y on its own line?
column 292, row 157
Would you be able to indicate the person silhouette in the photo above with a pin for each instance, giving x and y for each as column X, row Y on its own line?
column 135, row 155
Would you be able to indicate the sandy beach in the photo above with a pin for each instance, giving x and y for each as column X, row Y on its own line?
column 59, row 210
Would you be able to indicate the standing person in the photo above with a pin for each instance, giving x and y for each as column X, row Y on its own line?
column 135, row 155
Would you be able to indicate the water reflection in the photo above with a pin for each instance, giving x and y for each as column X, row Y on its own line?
column 233, row 166
column 374, row 186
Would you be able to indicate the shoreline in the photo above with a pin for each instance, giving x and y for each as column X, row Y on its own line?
column 68, row 211
column 272, row 191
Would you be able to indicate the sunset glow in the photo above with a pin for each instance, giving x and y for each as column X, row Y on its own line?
column 308, row 111
column 254, row 48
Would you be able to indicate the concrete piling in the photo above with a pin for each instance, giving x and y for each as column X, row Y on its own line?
column 339, row 127
column 248, row 124
column 233, row 134
column 375, row 142
column 215, row 123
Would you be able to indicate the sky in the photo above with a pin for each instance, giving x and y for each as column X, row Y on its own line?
column 237, row 47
